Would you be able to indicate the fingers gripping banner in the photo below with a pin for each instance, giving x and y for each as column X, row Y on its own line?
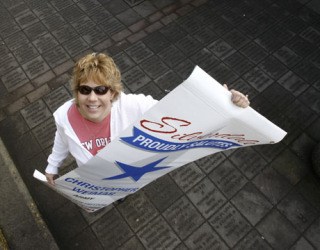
column 194, row 120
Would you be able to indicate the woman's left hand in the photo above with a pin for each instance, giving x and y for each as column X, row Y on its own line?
column 238, row 98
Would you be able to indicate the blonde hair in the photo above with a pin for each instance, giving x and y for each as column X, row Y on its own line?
column 99, row 68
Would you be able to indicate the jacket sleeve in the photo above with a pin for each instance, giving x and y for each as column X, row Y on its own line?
column 60, row 151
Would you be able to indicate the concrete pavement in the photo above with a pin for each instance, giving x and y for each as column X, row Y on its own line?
column 21, row 223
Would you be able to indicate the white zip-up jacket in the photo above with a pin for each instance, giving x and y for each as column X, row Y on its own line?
column 124, row 111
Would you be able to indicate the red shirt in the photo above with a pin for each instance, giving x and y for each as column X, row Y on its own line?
column 93, row 136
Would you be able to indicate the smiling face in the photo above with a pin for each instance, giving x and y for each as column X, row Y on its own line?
column 94, row 107
column 95, row 70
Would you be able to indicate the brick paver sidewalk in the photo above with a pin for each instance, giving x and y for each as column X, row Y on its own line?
column 263, row 197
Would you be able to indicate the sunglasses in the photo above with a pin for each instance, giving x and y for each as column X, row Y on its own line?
column 99, row 90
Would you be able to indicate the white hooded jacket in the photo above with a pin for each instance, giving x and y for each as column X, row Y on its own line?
column 124, row 111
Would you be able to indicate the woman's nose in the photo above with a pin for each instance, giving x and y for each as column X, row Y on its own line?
column 92, row 96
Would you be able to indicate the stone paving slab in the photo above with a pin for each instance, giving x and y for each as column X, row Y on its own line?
column 263, row 197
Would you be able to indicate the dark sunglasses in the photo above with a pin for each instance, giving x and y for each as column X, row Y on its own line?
column 99, row 90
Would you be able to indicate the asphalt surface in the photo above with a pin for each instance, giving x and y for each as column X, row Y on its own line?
column 262, row 197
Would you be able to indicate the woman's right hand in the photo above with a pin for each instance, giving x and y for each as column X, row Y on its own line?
column 50, row 178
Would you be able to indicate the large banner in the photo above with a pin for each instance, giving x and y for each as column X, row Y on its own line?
column 194, row 120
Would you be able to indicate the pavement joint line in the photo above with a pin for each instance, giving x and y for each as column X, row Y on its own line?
column 25, row 193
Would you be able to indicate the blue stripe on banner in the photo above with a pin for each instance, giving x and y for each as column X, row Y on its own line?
column 142, row 140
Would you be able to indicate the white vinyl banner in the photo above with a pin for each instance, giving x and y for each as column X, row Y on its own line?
column 194, row 120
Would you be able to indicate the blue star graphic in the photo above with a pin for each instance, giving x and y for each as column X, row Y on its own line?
column 136, row 172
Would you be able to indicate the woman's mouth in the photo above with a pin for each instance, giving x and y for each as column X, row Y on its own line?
column 93, row 107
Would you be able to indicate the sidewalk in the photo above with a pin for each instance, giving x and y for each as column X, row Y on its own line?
column 263, row 197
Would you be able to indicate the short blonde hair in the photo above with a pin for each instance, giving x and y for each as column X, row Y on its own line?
column 99, row 68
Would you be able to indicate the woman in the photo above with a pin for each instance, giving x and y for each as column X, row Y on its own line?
column 99, row 112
